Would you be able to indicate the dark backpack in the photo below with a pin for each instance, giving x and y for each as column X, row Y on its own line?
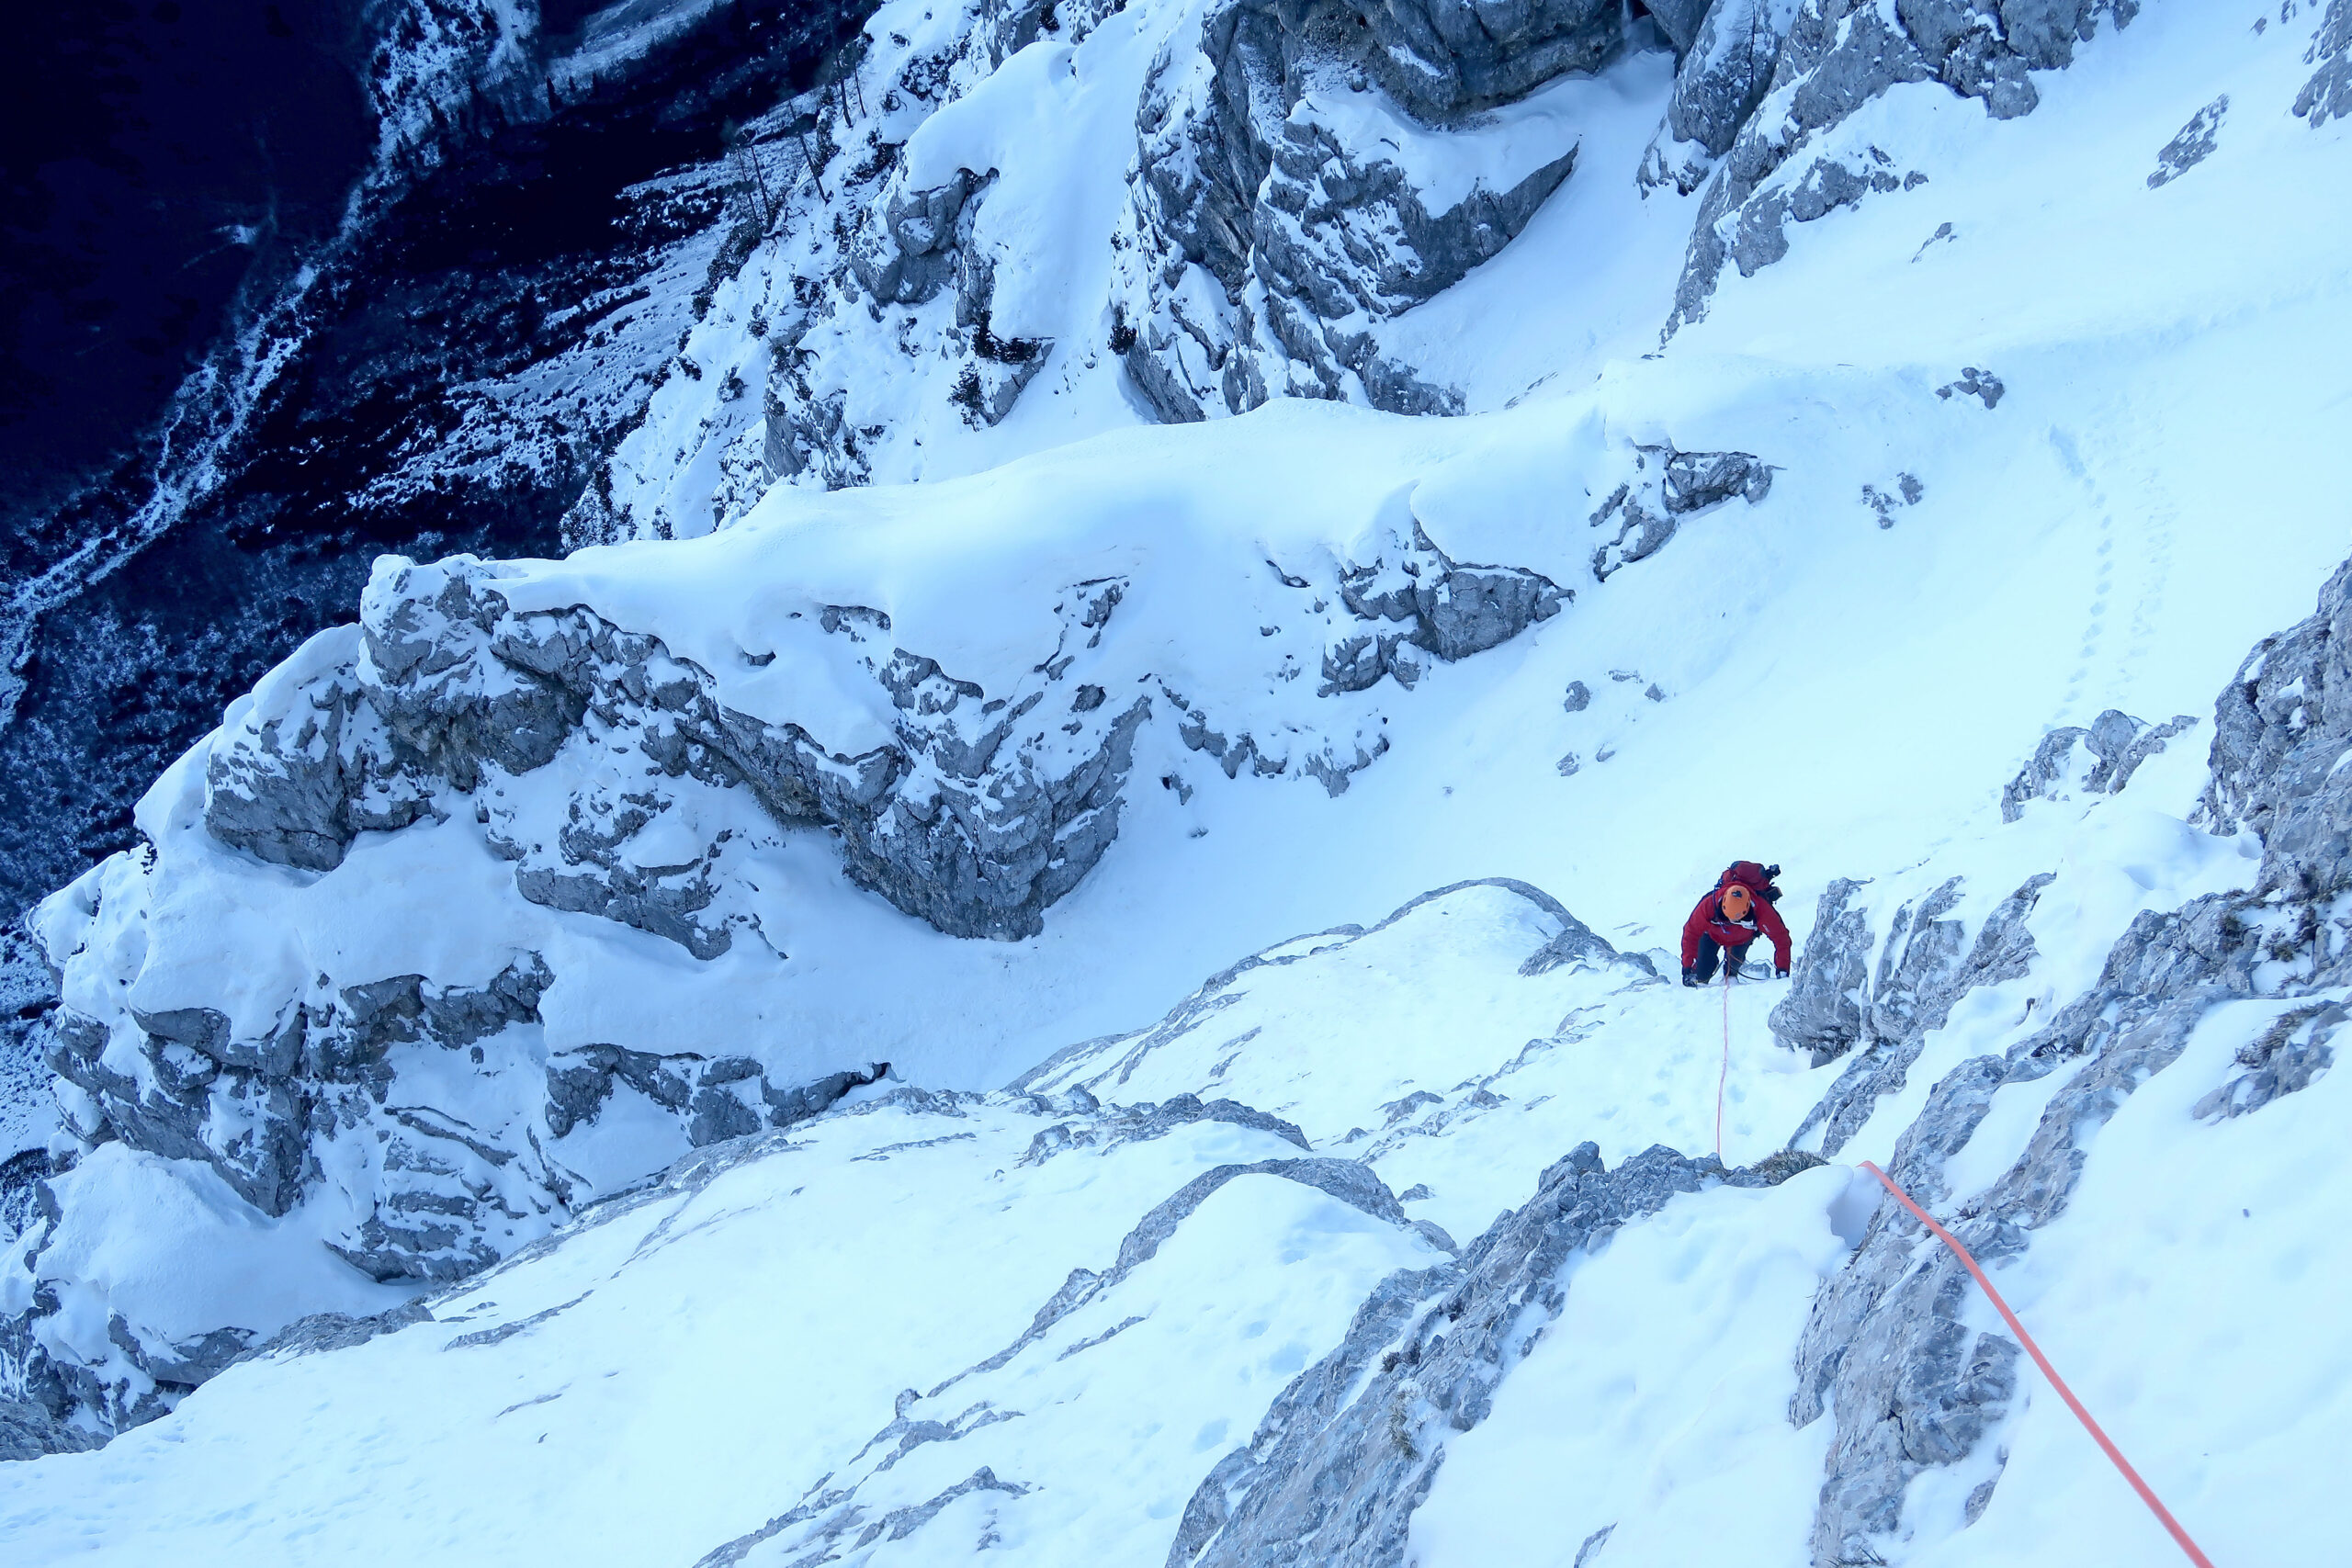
column 1757, row 879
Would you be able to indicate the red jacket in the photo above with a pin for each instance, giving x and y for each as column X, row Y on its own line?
column 1708, row 920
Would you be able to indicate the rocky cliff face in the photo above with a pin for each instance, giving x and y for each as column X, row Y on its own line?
column 1352, row 1447
column 471, row 366
column 415, row 1085
column 462, row 290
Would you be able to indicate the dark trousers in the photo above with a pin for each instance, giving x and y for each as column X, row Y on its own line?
column 1708, row 953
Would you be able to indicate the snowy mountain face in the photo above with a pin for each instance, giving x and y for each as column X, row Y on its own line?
column 435, row 320
column 722, row 1015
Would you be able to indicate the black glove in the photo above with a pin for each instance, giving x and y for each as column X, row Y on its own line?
column 1779, row 974
column 1691, row 978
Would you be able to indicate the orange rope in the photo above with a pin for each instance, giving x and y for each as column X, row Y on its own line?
column 2129, row 1475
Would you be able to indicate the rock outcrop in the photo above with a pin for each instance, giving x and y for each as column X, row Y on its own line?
column 29, row 1431
column 1444, row 608
column 1350, row 1448
column 1277, row 216
column 2328, row 95
column 1665, row 488
column 425, row 1127
column 2096, row 761
column 957, row 822
column 1778, row 160
column 1885, row 1348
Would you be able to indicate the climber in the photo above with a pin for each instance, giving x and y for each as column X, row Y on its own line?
column 1731, row 915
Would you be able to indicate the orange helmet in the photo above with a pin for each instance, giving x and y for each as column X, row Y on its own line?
column 1735, row 902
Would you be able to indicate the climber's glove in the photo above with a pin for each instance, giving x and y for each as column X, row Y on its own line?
column 1691, row 978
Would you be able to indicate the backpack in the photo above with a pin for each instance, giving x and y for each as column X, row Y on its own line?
column 1756, row 879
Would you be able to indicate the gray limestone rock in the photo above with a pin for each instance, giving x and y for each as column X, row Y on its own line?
column 1665, row 487
column 29, row 1431
column 990, row 386
column 1361, row 236
column 2193, row 145
column 1833, row 56
column 253, row 1110
column 184, row 1364
column 1266, row 248
column 1680, row 21
column 2279, row 730
column 179, row 1103
column 2289, row 1056
column 1445, row 57
column 444, row 1197
column 1982, row 385
column 1883, row 1349
column 719, row 1099
column 1919, row 978
column 2043, row 773
column 1823, row 1013
column 451, row 682
column 1696, row 481
column 2112, row 749
column 1726, row 69
column 298, row 796
column 906, row 253
column 1444, row 608
column 2328, row 95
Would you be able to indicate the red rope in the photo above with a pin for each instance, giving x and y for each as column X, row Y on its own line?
column 2114, row 1453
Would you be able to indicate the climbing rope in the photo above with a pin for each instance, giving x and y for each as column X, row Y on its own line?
column 2114, row 1453
column 1724, row 1076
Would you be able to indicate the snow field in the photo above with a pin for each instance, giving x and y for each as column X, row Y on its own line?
column 1420, row 1048
column 689, row 1367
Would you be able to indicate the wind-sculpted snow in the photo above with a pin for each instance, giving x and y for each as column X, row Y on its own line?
column 480, row 908
column 2116, row 744
column 957, row 818
column 971, row 1295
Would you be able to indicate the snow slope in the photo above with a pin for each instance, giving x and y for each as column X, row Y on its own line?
column 664, row 1348
column 2042, row 443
